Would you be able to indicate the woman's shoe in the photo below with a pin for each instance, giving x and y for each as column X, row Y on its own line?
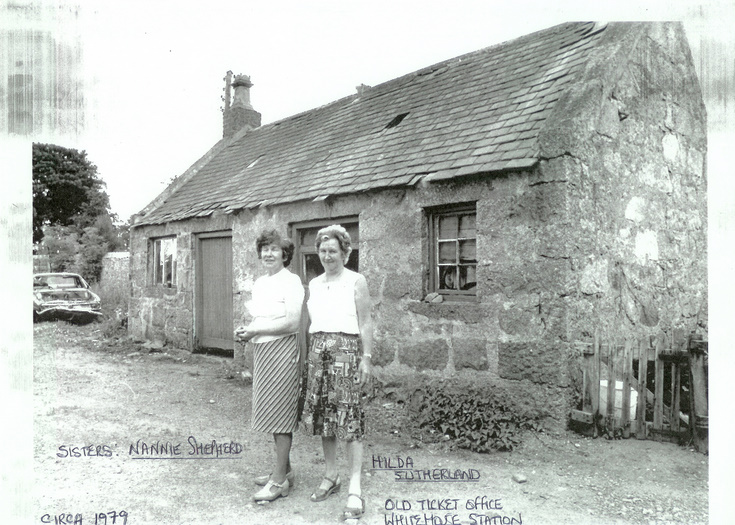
column 320, row 494
column 268, row 494
column 353, row 513
column 262, row 480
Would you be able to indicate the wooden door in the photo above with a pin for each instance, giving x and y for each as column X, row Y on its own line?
column 214, row 292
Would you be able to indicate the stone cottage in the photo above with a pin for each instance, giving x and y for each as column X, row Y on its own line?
column 504, row 204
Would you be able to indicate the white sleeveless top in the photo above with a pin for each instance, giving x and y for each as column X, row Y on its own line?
column 332, row 304
column 270, row 295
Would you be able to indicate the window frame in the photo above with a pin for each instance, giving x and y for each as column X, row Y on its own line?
column 157, row 268
column 296, row 231
column 433, row 215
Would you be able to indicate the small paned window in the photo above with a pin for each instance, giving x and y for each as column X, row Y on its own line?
column 453, row 264
column 164, row 261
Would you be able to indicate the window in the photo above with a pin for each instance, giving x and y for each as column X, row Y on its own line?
column 453, row 251
column 306, row 259
column 164, row 261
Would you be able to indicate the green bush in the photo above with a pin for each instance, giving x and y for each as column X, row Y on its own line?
column 472, row 416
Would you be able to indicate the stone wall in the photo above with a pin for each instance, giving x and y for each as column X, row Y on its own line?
column 114, row 284
column 490, row 338
column 115, row 270
column 629, row 142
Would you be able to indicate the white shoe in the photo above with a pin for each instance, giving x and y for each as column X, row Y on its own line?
column 272, row 491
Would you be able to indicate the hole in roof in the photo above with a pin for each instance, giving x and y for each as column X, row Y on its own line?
column 432, row 69
column 254, row 162
column 396, row 120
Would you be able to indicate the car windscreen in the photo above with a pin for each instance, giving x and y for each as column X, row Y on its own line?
column 64, row 295
column 57, row 281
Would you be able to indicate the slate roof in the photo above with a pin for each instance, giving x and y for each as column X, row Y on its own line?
column 476, row 113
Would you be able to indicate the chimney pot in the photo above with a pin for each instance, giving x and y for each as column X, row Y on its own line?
column 242, row 86
column 240, row 114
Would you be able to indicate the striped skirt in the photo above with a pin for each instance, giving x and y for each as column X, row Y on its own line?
column 276, row 385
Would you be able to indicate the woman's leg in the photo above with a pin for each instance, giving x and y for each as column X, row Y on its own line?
column 283, row 459
column 354, row 449
column 329, row 445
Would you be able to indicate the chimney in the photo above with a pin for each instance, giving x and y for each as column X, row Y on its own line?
column 238, row 113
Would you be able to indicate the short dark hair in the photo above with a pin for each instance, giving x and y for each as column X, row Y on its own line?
column 268, row 237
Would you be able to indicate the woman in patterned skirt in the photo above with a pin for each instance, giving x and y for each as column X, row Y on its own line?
column 340, row 347
column 278, row 298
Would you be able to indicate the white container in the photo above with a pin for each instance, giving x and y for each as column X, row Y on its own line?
column 618, row 399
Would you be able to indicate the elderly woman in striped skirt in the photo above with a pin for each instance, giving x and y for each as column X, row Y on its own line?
column 278, row 298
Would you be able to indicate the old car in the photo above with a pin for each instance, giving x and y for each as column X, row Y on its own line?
column 64, row 296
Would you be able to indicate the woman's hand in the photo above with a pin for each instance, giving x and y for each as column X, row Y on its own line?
column 364, row 371
column 244, row 333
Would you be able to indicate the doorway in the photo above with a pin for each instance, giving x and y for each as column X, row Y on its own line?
column 214, row 326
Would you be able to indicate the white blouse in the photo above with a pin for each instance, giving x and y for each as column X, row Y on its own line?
column 271, row 294
column 332, row 304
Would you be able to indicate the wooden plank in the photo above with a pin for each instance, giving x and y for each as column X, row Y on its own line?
column 642, row 389
column 609, row 350
column 700, row 415
column 618, row 375
column 658, row 395
column 675, row 396
column 595, row 380
column 586, row 363
column 627, row 373
column 583, row 417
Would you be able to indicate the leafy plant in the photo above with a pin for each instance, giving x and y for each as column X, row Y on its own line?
column 471, row 416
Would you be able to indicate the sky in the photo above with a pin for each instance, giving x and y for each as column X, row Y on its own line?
column 154, row 70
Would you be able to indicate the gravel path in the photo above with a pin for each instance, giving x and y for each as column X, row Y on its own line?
column 163, row 437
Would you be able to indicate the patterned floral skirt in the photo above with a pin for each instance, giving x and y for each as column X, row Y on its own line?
column 333, row 405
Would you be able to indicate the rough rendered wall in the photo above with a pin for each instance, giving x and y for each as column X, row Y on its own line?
column 494, row 339
column 115, row 270
column 511, row 336
column 630, row 143
column 497, row 338
column 114, row 285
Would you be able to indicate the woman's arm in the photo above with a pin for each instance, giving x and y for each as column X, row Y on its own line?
column 288, row 324
column 365, row 322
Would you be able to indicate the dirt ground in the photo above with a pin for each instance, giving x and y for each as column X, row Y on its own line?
column 111, row 395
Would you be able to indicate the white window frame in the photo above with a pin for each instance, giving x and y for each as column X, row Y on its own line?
column 163, row 262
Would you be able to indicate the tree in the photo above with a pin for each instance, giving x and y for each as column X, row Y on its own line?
column 66, row 190
column 72, row 221
column 92, row 248
column 61, row 244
